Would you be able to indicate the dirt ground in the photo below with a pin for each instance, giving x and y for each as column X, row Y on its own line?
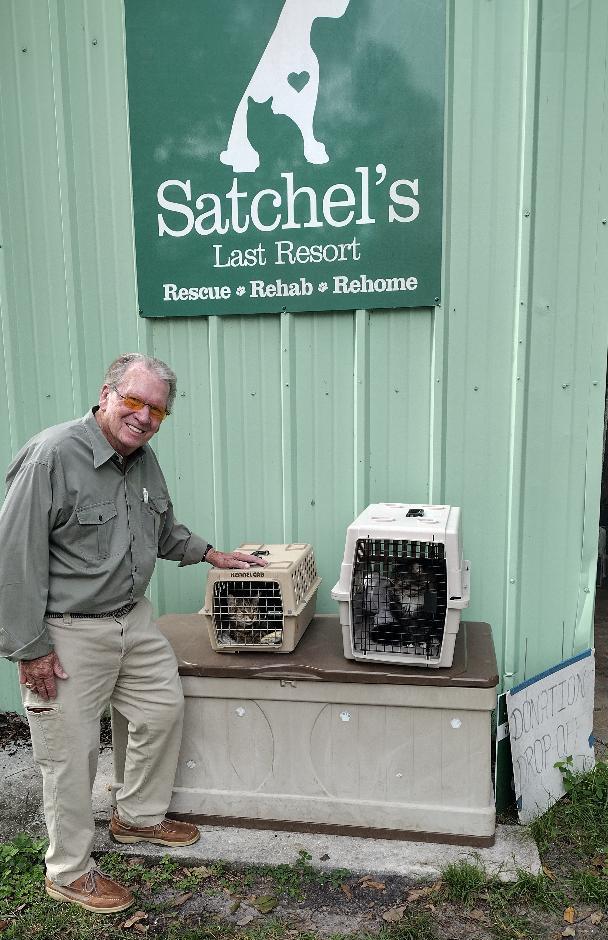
column 327, row 911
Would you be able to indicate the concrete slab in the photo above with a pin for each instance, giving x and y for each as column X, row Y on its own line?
column 514, row 851
column 21, row 810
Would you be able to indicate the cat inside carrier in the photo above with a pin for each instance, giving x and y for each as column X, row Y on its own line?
column 262, row 609
column 403, row 584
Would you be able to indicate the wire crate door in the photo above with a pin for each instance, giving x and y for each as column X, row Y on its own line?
column 248, row 613
column 399, row 597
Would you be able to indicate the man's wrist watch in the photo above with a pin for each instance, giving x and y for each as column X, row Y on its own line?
column 206, row 552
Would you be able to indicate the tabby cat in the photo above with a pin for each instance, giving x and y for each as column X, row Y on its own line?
column 245, row 625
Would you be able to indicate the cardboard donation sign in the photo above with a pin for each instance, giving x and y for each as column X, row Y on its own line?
column 286, row 154
column 550, row 719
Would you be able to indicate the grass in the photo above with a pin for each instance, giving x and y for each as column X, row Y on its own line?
column 21, row 870
column 165, row 873
column 580, row 820
column 463, row 881
column 290, row 880
column 416, row 925
column 537, row 891
column 572, row 838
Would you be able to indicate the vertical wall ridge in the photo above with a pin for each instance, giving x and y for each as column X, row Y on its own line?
column 521, row 315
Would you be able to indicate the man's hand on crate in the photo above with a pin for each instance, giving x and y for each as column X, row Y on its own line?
column 233, row 559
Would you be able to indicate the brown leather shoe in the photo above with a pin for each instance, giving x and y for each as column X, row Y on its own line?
column 93, row 891
column 167, row 832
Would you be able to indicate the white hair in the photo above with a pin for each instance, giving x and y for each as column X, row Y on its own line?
column 116, row 370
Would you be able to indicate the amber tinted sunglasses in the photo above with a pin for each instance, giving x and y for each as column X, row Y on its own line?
column 136, row 404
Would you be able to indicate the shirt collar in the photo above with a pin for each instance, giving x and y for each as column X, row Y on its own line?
column 100, row 445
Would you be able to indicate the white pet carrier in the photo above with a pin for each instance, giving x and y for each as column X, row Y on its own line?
column 403, row 583
column 262, row 609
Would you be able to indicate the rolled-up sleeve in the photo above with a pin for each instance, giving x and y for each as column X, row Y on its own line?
column 25, row 520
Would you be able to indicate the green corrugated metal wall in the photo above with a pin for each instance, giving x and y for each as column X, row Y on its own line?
column 286, row 426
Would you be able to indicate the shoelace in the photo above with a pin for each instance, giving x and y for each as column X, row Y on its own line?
column 90, row 882
column 163, row 826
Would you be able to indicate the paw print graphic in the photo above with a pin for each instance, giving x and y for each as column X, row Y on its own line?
column 240, row 291
column 322, row 287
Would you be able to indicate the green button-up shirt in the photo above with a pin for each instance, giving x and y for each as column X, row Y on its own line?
column 80, row 531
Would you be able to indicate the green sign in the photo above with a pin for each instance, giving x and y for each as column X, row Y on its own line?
column 286, row 154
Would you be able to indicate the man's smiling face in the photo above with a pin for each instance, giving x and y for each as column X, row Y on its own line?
column 125, row 429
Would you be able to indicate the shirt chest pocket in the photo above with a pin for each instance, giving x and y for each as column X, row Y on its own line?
column 153, row 515
column 95, row 527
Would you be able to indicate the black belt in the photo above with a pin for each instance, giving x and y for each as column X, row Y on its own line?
column 119, row 612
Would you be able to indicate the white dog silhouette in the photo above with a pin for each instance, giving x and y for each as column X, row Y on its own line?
column 288, row 72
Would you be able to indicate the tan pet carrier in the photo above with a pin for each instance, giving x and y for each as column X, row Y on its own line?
column 262, row 609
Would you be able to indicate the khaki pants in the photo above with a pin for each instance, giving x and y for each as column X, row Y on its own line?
column 125, row 662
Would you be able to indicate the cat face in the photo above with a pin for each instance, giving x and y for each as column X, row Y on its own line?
column 243, row 610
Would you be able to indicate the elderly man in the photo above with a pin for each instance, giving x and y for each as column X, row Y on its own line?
column 87, row 513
